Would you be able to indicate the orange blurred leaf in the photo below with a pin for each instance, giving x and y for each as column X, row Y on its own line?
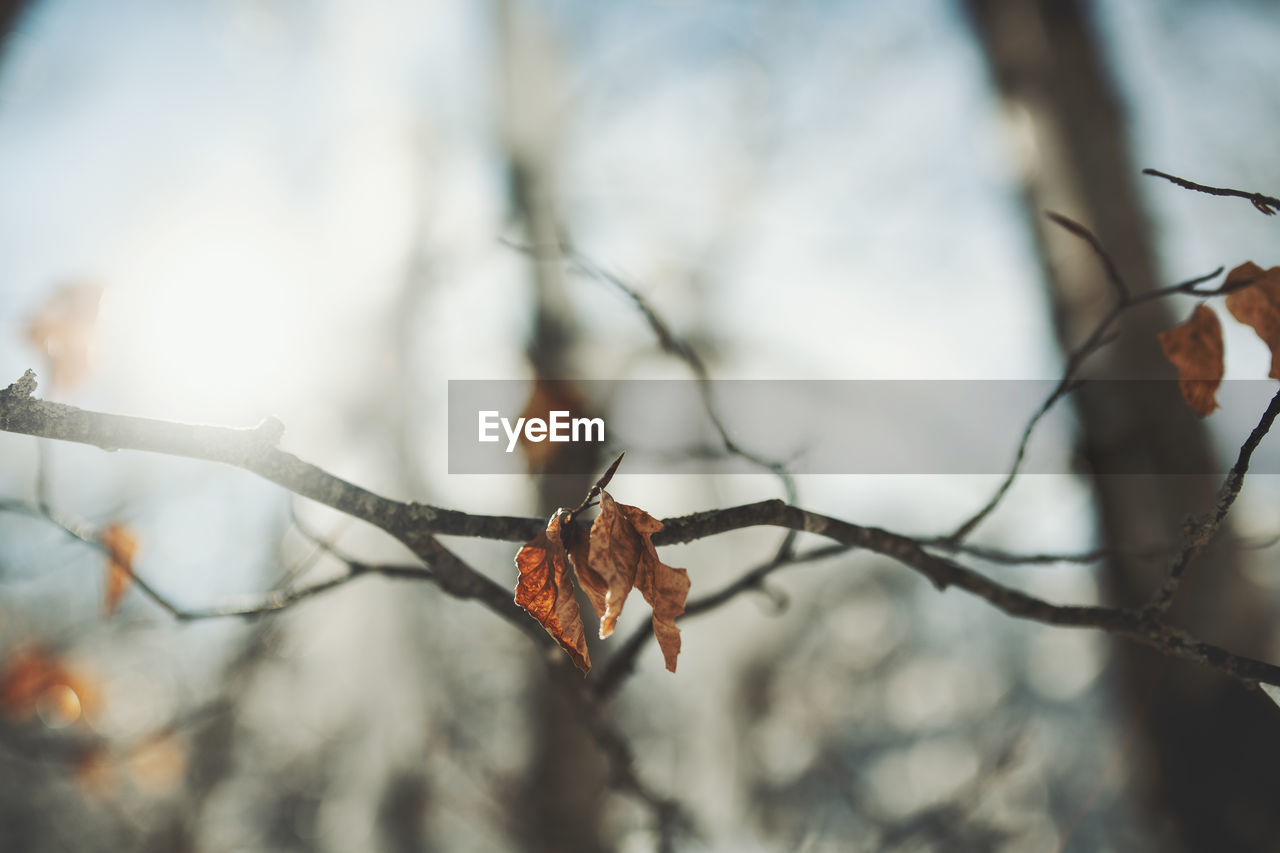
column 1258, row 305
column 62, row 329
column 27, row 673
column 546, row 592
column 158, row 764
column 35, row 680
column 621, row 557
column 548, row 396
column 59, row 706
column 121, row 545
column 1195, row 348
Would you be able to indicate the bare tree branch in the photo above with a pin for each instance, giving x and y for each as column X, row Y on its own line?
column 91, row 536
column 1264, row 203
column 1096, row 340
column 1113, row 274
column 1200, row 534
column 278, row 599
column 415, row 525
column 255, row 450
column 675, row 346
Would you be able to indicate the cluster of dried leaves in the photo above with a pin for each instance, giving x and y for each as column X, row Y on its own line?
column 615, row 557
column 1195, row 347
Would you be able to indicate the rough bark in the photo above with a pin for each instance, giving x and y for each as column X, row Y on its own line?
column 1212, row 748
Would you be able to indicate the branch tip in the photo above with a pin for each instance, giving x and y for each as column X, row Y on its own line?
column 271, row 430
column 24, row 387
column 608, row 474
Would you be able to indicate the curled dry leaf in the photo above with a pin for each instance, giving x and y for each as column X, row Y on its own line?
column 1195, row 348
column 1258, row 305
column 615, row 558
column 617, row 546
column 622, row 556
column 589, row 580
column 121, row 545
column 545, row 591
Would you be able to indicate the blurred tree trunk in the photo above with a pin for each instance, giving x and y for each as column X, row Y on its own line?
column 10, row 12
column 562, row 795
column 1212, row 748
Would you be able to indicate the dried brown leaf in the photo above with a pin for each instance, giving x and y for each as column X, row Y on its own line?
column 616, row 550
column 589, row 580
column 121, row 545
column 1258, row 305
column 1195, row 348
column 622, row 556
column 545, row 591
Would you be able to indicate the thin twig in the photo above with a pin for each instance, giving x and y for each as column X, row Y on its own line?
column 1109, row 265
column 595, row 490
column 623, row 661
column 1098, row 338
column 276, row 600
column 1264, row 203
column 1200, row 534
column 256, row 450
column 320, row 546
column 279, row 600
column 84, row 532
column 673, row 345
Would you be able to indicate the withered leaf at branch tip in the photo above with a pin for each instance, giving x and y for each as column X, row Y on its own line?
column 545, row 591
column 617, row 556
column 1257, row 305
column 1195, row 348
column 622, row 556
column 121, row 545
column 616, row 549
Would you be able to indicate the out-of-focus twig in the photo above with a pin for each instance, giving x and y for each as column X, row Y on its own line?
column 1264, row 203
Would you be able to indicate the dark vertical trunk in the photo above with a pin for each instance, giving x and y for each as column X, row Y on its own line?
column 562, row 794
column 1212, row 748
column 11, row 12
